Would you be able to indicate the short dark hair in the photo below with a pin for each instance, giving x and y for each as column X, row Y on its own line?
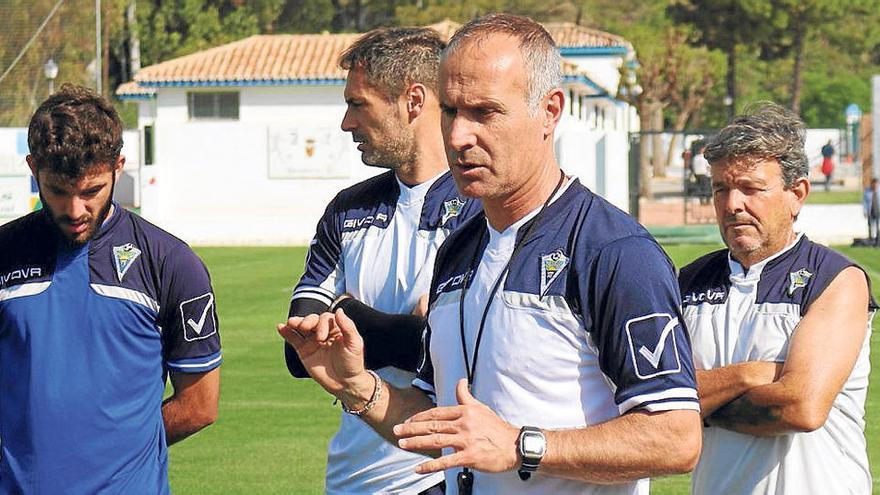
column 393, row 58
column 765, row 130
column 542, row 58
column 73, row 131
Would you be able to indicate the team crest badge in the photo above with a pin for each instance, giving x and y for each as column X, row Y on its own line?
column 451, row 209
column 551, row 266
column 123, row 258
column 798, row 280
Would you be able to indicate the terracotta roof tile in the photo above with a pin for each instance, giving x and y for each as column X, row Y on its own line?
column 132, row 90
column 570, row 35
column 283, row 58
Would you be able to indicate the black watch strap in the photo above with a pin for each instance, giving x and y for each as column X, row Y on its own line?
column 528, row 464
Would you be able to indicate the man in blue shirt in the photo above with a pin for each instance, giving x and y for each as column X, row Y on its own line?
column 97, row 308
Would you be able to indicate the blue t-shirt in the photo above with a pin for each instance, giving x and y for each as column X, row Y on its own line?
column 87, row 337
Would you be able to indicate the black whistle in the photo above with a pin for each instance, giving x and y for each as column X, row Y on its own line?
column 465, row 481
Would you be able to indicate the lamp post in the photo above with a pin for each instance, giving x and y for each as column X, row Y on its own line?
column 728, row 104
column 50, row 70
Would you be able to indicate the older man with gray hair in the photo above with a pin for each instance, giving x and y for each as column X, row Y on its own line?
column 553, row 362
column 779, row 325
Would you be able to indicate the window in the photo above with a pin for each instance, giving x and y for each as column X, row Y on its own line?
column 211, row 106
column 148, row 145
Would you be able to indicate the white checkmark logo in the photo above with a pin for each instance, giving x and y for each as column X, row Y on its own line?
column 654, row 357
column 197, row 327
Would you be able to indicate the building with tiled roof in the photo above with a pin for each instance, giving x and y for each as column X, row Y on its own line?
column 295, row 59
column 241, row 142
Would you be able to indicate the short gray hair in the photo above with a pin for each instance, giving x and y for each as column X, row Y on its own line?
column 542, row 59
column 393, row 58
column 765, row 130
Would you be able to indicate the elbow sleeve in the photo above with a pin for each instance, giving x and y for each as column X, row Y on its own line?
column 389, row 339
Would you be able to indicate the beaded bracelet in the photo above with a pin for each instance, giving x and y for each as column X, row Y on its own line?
column 377, row 394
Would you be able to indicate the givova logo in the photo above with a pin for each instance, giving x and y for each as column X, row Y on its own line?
column 453, row 282
column 357, row 223
column 652, row 345
column 20, row 274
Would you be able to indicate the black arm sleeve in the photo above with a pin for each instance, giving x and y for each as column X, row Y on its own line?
column 389, row 339
column 300, row 307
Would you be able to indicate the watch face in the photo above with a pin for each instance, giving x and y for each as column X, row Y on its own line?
column 533, row 444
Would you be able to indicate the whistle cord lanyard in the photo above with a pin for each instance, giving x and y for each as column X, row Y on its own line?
column 465, row 477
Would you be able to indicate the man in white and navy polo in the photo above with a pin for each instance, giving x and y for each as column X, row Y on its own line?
column 375, row 245
column 780, row 328
column 555, row 360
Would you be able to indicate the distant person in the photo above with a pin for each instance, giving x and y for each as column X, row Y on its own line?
column 827, row 163
column 686, row 157
column 374, row 249
column 780, row 328
column 97, row 308
column 700, row 168
column 871, row 202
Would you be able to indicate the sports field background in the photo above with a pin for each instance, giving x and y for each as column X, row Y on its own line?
column 272, row 432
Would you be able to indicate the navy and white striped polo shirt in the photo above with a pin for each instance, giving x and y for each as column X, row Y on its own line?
column 586, row 327
column 735, row 316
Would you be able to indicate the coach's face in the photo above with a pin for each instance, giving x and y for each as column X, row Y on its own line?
column 376, row 123
column 493, row 142
column 754, row 209
column 78, row 206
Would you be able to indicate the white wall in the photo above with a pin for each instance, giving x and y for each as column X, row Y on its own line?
column 617, row 168
column 604, row 70
column 832, row 224
column 210, row 183
column 576, row 148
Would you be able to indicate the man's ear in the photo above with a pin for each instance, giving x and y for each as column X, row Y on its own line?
column 31, row 165
column 800, row 190
column 552, row 106
column 416, row 98
column 118, row 166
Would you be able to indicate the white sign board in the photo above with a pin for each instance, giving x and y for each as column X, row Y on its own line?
column 300, row 152
column 15, row 196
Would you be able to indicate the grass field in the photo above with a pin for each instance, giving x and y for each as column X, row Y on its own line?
column 820, row 197
column 272, row 432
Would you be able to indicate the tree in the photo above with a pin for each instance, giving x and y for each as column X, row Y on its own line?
column 174, row 28
column 800, row 22
column 673, row 76
column 68, row 37
column 305, row 16
column 422, row 12
column 724, row 25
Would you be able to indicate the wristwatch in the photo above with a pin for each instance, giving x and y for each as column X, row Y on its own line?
column 531, row 446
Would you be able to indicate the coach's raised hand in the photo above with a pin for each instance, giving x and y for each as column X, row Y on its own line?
column 331, row 350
